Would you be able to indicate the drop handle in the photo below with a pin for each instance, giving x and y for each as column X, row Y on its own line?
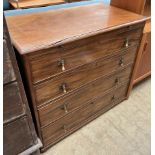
column 126, row 42
column 65, row 108
column 61, row 63
column 121, row 62
column 63, row 87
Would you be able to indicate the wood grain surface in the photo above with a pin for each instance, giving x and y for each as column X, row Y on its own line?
column 98, row 45
column 46, row 63
column 42, row 30
column 59, row 108
column 73, row 80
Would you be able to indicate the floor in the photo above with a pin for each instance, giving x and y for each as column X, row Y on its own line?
column 124, row 130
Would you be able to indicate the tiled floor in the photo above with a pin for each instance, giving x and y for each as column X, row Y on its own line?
column 124, row 130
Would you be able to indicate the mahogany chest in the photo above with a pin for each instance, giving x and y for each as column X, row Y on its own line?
column 78, row 63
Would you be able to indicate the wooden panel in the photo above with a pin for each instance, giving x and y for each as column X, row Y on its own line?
column 34, row 3
column 147, row 8
column 76, row 119
column 50, row 62
column 131, row 5
column 12, row 102
column 147, row 28
column 144, row 63
column 65, row 105
column 66, row 26
column 8, row 72
column 16, row 142
column 72, row 80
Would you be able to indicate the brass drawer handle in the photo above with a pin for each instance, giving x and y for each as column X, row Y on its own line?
column 126, row 44
column 65, row 108
column 121, row 62
column 63, row 87
column 61, row 63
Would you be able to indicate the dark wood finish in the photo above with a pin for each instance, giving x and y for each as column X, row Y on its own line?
column 47, row 63
column 59, row 108
column 77, row 118
column 96, row 73
column 19, row 132
column 72, row 80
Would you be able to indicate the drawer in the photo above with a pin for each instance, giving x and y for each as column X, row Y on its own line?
column 17, row 137
column 50, row 62
column 8, row 72
column 77, row 118
column 65, row 105
column 69, row 81
column 12, row 102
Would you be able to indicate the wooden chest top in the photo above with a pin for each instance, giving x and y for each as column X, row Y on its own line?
column 37, row 31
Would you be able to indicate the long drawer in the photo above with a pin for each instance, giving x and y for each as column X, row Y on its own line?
column 50, row 62
column 76, row 119
column 59, row 108
column 71, row 80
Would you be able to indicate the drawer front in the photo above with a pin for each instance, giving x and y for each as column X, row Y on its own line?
column 63, row 106
column 12, row 102
column 8, row 72
column 69, row 81
column 75, row 119
column 17, row 142
column 72, row 55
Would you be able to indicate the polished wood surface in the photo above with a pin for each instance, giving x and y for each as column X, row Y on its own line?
column 77, row 118
column 73, row 80
column 28, row 34
column 34, row 3
column 45, row 64
column 59, row 108
column 80, row 68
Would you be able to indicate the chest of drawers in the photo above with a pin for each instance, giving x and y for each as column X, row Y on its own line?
column 77, row 66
